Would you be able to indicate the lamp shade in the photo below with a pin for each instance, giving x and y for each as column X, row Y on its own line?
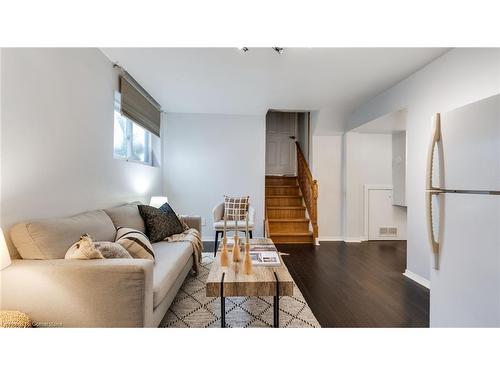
column 158, row 201
column 4, row 252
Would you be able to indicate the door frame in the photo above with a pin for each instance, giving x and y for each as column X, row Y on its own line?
column 309, row 140
column 366, row 205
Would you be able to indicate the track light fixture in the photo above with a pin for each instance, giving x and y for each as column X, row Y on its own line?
column 278, row 50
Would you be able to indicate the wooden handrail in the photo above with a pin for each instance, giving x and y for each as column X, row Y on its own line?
column 309, row 188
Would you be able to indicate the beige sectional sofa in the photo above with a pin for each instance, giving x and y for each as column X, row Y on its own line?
column 92, row 293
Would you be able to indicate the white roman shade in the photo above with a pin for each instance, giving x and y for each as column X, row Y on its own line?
column 139, row 106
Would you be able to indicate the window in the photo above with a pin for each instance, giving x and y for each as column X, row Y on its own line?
column 131, row 141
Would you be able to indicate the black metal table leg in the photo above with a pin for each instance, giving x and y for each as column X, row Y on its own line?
column 216, row 242
column 277, row 303
column 222, row 303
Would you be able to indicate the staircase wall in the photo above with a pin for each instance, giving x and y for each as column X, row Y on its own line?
column 327, row 169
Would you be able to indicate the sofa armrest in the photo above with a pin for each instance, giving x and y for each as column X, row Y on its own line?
column 192, row 221
column 81, row 293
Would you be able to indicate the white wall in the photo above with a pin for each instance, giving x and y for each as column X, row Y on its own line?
column 303, row 134
column 399, row 168
column 368, row 161
column 327, row 161
column 207, row 156
column 459, row 77
column 1, row 117
column 57, row 136
column 329, row 122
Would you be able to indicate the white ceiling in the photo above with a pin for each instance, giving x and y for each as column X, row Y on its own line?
column 226, row 80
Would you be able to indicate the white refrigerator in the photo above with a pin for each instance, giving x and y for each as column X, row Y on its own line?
column 463, row 214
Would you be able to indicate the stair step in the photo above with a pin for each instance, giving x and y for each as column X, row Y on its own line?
column 283, row 200
column 281, row 181
column 288, row 225
column 290, row 238
column 282, row 190
column 286, row 212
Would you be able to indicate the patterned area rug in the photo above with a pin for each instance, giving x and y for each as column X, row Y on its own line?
column 192, row 309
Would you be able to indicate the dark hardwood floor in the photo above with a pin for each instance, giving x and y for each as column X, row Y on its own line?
column 357, row 284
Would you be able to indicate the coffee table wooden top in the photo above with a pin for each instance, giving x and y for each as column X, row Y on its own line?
column 262, row 282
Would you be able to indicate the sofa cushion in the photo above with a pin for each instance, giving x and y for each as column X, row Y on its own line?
column 127, row 216
column 51, row 238
column 171, row 257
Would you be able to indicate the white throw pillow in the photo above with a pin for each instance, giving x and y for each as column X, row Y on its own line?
column 83, row 249
column 111, row 250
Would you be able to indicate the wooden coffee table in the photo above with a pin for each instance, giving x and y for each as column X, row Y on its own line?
column 264, row 281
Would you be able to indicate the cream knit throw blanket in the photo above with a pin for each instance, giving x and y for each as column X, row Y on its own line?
column 193, row 236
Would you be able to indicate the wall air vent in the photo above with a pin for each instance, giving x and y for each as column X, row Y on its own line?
column 388, row 231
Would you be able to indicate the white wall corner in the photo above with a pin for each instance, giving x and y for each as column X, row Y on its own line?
column 417, row 278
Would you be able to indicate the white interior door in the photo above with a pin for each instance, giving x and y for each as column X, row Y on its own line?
column 280, row 143
column 385, row 221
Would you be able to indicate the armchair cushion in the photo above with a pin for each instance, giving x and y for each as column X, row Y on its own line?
column 231, row 225
column 218, row 216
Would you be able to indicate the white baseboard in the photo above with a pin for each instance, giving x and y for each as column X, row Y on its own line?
column 341, row 239
column 355, row 239
column 330, row 239
column 418, row 279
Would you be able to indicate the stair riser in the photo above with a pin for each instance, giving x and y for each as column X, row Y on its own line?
column 281, row 182
column 286, row 214
column 292, row 239
column 282, row 190
column 287, row 227
column 284, row 201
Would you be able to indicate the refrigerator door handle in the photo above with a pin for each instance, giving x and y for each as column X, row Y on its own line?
column 436, row 138
column 430, row 227
column 431, row 190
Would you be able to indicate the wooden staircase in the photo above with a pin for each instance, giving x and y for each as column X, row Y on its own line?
column 286, row 220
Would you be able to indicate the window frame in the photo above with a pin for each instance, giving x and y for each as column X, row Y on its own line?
column 129, row 138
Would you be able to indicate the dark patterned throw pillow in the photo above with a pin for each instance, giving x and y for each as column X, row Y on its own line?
column 160, row 222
